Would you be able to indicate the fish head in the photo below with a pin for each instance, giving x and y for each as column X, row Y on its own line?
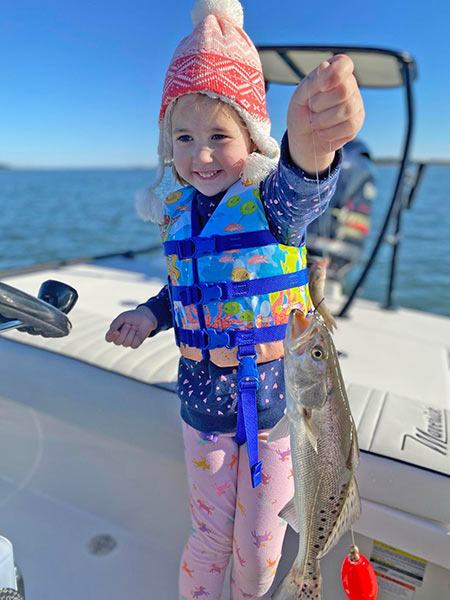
column 307, row 352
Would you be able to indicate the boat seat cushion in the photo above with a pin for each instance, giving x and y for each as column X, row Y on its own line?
column 405, row 457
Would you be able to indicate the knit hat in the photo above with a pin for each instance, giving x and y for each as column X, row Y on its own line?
column 220, row 60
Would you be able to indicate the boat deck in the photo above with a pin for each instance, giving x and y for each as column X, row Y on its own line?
column 94, row 447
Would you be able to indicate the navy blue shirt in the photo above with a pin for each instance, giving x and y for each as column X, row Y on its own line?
column 208, row 393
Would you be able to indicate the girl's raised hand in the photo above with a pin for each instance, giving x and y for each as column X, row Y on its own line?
column 326, row 104
column 132, row 327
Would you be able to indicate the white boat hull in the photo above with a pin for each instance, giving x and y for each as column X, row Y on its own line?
column 91, row 446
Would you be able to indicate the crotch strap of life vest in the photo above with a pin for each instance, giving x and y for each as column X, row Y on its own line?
column 247, row 377
column 247, row 418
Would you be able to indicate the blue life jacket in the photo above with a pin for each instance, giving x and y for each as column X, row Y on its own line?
column 232, row 286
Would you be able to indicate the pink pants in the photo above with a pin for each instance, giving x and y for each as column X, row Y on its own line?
column 230, row 518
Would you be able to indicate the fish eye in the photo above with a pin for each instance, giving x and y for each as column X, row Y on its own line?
column 317, row 353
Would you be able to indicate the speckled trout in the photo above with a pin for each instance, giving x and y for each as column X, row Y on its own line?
column 324, row 451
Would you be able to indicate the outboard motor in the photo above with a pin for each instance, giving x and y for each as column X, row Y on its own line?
column 341, row 232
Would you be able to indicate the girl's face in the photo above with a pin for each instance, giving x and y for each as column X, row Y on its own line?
column 210, row 143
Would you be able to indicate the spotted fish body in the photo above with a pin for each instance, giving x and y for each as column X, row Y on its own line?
column 324, row 452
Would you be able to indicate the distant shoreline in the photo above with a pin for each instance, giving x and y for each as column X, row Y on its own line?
column 86, row 168
column 437, row 162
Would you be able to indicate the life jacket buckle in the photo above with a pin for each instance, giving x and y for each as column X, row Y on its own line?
column 185, row 248
column 255, row 472
column 201, row 293
column 195, row 247
column 209, row 292
column 247, row 375
column 208, row 338
column 204, row 246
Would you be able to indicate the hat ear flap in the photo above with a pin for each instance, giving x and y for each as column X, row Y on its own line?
column 149, row 205
column 257, row 167
column 149, row 202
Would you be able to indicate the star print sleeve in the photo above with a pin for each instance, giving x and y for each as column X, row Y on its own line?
column 292, row 200
column 162, row 309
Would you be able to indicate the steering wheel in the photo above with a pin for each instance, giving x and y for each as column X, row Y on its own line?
column 43, row 315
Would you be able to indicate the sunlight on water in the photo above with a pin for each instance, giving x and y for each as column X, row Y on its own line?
column 54, row 215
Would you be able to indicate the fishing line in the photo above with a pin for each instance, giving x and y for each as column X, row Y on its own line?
column 353, row 535
column 322, row 225
column 316, row 307
column 314, row 144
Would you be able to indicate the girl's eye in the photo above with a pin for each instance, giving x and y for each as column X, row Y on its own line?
column 184, row 138
column 219, row 136
column 317, row 353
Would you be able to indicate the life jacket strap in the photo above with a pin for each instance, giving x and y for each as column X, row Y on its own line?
column 247, row 418
column 209, row 338
column 198, row 246
column 203, row 293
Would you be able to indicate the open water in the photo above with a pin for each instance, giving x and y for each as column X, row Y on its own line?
column 53, row 215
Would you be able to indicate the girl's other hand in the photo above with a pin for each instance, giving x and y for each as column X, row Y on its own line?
column 132, row 327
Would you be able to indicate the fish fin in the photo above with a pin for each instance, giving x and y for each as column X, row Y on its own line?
column 355, row 446
column 349, row 514
column 296, row 585
column 289, row 514
column 311, row 431
column 353, row 458
column 280, row 430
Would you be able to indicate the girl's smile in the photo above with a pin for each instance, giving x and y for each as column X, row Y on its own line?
column 207, row 174
column 210, row 143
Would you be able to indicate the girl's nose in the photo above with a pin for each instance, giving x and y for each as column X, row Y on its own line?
column 204, row 155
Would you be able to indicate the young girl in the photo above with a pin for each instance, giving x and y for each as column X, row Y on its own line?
column 234, row 237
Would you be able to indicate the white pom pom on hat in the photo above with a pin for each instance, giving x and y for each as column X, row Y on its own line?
column 222, row 9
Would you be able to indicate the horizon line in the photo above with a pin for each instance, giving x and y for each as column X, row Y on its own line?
column 140, row 167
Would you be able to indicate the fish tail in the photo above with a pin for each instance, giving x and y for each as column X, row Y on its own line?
column 297, row 586
column 323, row 311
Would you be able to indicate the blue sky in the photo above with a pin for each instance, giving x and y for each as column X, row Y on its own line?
column 82, row 80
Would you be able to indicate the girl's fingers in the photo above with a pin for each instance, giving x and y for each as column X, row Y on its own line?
column 344, row 130
column 341, row 94
column 111, row 334
column 328, row 75
column 114, row 327
column 337, row 113
column 129, row 337
column 131, row 328
column 339, row 68
column 123, row 332
column 137, row 341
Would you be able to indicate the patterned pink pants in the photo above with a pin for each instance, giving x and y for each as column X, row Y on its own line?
column 230, row 518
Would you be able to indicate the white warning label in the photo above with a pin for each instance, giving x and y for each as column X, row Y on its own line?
column 398, row 572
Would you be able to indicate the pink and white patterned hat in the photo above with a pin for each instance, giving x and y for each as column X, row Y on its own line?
column 220, row 60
